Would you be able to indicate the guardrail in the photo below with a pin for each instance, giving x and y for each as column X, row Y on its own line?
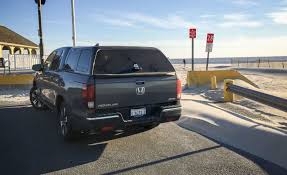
column 267, row 99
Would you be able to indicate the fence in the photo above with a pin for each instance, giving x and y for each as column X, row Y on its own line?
column 22, row 62
column 260, row 62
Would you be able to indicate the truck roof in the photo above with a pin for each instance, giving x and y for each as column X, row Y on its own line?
column 118, row 47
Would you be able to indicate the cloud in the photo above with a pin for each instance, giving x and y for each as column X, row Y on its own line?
column 139, row 19
column 114, row 22
column 207, row 16
column 239, row 20
column 245, row 2
column 279, row 17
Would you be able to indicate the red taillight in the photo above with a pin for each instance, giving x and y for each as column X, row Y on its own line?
column 178, row 89
column 88, row 94
column 107, row 128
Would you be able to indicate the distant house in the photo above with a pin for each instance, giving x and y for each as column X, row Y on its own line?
column 15, row 43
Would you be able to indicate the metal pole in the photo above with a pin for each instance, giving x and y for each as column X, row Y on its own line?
column 207, row 61
column 192, row 53
column 73, row 23
column 41, row 45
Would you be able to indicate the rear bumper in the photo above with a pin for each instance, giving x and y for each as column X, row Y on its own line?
column 170, row 114
column 117, row 121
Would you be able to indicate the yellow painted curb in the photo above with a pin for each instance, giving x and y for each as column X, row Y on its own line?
column 198, row 78
column 16, row 79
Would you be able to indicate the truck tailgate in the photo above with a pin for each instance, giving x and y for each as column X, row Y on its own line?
column 134, row 91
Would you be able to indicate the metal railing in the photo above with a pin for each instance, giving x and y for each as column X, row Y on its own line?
column 267, row 99
column 22, row 61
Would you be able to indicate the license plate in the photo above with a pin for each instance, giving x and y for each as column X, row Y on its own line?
column 138, row 112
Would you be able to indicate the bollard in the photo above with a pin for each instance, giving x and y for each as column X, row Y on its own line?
column 188, row 81
column 213, row 83
column 228, row 96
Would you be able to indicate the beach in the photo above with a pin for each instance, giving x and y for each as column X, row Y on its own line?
column 272, row 82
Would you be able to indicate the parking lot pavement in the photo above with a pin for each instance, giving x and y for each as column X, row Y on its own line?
column 30, row 144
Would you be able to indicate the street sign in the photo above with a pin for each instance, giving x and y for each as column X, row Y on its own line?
column 209, row 42
column 209, row 45
column 192, row 33
column 210, row 37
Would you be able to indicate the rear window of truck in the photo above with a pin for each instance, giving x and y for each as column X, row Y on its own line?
column 131, row 61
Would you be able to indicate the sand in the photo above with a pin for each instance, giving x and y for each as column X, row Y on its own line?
column 271, row 82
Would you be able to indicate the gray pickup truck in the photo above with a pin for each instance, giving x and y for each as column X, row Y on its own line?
column 106, row 88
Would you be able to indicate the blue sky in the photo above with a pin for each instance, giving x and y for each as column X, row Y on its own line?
column 241, row 27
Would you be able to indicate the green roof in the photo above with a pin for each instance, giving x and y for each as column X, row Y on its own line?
column 9, row 36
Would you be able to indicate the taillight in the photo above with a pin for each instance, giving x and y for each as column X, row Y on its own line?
column 178, row 89
column 88, row 94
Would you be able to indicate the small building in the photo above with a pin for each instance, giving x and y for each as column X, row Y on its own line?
column 15, row 43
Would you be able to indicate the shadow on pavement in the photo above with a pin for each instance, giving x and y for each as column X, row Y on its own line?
column 267, row 166
column 31, row 144
column 162, row 160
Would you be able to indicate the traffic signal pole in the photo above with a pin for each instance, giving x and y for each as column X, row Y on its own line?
column 40, row 33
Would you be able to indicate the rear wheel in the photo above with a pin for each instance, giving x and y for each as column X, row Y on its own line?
column 34, row 99
column 65, row 122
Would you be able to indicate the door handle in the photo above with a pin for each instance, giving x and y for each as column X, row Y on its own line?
column 140, row 82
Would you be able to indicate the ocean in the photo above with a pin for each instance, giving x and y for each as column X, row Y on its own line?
column 228, row 60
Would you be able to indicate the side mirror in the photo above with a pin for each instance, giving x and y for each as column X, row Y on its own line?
column 37, row 67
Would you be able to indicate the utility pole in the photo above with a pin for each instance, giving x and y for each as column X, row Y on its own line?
column 73, row 23
column 40, row 32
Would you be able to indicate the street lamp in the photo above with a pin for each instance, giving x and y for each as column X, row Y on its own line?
column 40, row 33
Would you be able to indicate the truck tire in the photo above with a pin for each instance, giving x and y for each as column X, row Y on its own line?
column 35, row 101
column 65, row 122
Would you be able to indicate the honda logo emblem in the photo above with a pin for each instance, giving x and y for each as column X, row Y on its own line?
column 140, row 90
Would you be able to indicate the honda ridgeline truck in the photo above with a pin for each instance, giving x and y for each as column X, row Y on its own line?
column 105, row 88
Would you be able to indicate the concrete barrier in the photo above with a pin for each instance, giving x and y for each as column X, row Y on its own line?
column 16, row 79
column 198, row 78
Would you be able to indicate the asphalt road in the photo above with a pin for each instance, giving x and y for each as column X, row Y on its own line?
column 30, row 144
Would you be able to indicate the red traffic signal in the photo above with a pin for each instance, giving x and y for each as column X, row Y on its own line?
column 42, row 2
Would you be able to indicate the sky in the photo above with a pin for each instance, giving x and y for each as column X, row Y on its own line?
column 241, row 27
